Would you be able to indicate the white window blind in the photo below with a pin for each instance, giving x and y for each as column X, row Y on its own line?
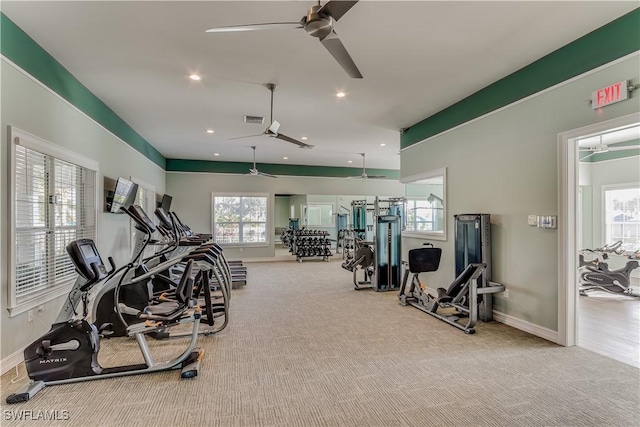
column 54, row 203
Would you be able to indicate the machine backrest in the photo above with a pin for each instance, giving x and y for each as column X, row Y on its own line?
column 460, row 282
column 184, row 290
column 422, row 260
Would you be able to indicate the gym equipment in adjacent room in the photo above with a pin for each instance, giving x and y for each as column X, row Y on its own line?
column 594, row 274
column 469, row 296
column 69, row 351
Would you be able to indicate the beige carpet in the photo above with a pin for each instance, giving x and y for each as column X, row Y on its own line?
column 304, row 349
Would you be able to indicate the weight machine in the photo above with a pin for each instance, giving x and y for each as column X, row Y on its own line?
column 470, row 294
column 379, row 259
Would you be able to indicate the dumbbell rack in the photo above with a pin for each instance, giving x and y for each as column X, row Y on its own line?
column 311, row 244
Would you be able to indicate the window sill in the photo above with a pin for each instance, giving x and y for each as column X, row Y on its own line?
column 424, row 235
column 23, row 307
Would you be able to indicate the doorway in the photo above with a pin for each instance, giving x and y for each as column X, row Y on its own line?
column 602, row 322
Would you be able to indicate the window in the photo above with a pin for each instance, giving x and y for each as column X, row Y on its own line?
column 319, row 215
column 426, row 210
column 622, row 216
column 53, row 202
column 240, row 219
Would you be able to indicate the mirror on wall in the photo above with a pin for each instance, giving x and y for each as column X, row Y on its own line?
column 426, row 205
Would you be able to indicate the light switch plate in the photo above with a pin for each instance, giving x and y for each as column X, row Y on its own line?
column 532, row 220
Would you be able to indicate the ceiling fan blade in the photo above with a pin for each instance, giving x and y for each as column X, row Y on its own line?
column 266, row 174
column 247, row 136
column 338, row 51
column 587, row 156
column 293, row 141
column 337, row 8
column 624, row 148
column 254, row 27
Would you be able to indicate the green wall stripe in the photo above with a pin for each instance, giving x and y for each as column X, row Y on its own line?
column 22, row 50
column 608, row 43
column 181, row 165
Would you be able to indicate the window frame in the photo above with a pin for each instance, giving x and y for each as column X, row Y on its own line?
column 268, row 223
column 605, row 189
column 319, row 205
column 34, row 143
column 430, row 235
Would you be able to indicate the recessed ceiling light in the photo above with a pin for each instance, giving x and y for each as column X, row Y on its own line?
column 341, row 94
column 304, row 138
column 383, row 144
column 210, row 131
column 216, row 154
column 350, row 161
column 195, row 77
column 285, row 158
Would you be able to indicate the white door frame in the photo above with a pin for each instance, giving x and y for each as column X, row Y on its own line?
column 568, row 224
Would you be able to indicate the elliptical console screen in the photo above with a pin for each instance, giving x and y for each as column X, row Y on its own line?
column 142, row 216
column 83, row 253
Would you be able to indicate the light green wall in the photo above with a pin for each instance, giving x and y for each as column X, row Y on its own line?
column 192, row 196
column 281, row 212
column 30, row 107
column 505, row 164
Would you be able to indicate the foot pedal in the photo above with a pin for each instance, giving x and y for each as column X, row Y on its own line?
column 159, row 335
column 26, row 392
column 191, row 365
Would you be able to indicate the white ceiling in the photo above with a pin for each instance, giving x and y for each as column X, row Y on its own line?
column 417, row 57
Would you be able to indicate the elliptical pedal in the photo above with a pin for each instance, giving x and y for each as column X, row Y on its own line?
column 191, row 365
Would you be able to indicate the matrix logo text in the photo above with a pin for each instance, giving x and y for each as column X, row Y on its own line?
column 31, row 415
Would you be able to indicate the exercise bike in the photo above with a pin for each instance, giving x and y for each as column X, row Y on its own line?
column 594, row 274
column 68, row 353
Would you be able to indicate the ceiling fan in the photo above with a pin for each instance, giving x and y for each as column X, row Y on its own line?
column 318, row 22
column 272, row 130
column 364, row 174
column 254, row 171
column 604, row 148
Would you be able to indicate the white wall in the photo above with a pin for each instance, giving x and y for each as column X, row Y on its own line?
column 505, row 164
column 192, row 196
column 32, row 108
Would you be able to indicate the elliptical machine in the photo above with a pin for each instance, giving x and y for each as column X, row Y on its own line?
column 69, row 351
column 595, row 275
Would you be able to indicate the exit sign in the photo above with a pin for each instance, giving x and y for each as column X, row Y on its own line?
column 609, row 95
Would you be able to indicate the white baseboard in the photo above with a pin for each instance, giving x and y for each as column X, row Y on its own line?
column 525, row 326
column 11, row 361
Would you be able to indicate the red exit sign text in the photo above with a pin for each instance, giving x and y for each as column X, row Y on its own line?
column 609, row 95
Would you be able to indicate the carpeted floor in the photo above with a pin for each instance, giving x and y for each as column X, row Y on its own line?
column 304, row 349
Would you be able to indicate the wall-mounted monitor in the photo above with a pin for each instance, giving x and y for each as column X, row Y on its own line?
column 123, row 195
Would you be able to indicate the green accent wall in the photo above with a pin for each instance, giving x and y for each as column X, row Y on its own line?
column 612, row 155
column 608, row 43
column 179, row 165
column 22, row 50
